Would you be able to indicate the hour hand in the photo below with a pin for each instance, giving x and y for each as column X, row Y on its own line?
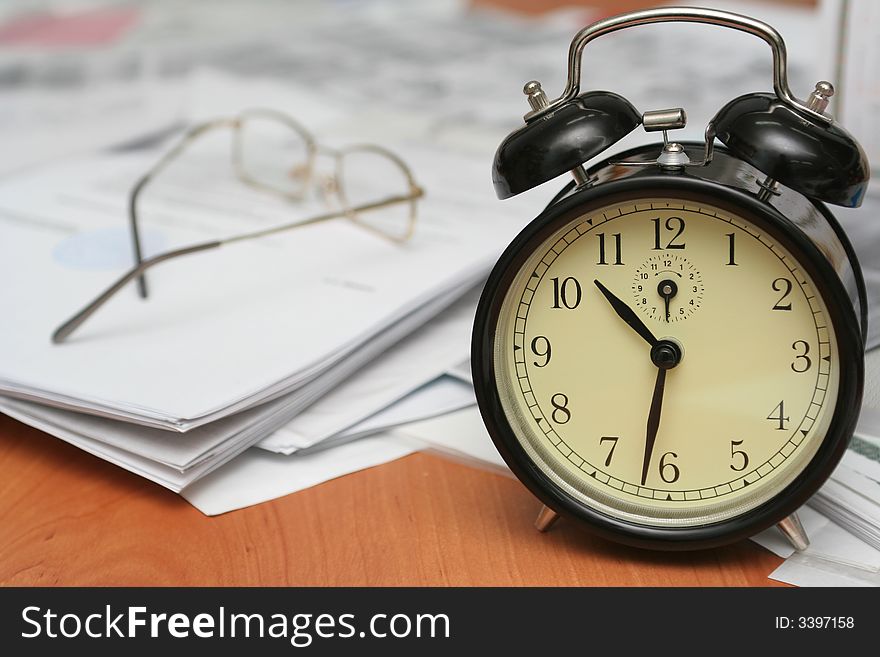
column 627, row 314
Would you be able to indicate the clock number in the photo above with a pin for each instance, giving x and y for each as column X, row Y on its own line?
column 734, row 453
column 617, row 260
column 613, row 440
column 561, row 414
column 807, row 362
column 780, row 416
column 671, row 224
column 567, row 293
column 779, row 285
column 544, row 351
column 669, row 468
column 731, row 239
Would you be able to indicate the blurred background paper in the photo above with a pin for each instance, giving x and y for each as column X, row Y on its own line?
column 859, row 104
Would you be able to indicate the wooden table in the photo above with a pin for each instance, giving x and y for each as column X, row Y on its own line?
column 68, row 518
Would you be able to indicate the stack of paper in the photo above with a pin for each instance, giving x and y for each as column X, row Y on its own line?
column 406, row 383
column 222, row 331
column 852, row 497
column 303, row 340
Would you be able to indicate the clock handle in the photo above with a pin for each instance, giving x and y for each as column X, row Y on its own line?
column 682, row 15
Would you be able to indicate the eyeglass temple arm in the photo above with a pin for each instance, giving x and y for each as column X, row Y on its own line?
column 68, row 327
column 416, row 192
column 188, row 138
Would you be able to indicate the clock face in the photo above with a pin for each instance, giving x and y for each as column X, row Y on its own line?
column 666, row 362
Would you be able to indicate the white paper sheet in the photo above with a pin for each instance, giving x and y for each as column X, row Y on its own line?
column 421, row 357
column 39, row 126
column 166, row 476
column 226, row 329
column 460, row 435
column 174, row 460
column 462, row 371
column 835, row 558
column 426, row 353
column 805, row 570
column 257, row 475
column 251, row 478
column 852, row 501
column 179, row 360
column 445, row 394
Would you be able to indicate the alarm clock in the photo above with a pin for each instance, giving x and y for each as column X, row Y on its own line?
column 672, row 353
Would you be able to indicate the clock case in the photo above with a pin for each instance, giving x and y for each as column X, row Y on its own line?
column 805, row 227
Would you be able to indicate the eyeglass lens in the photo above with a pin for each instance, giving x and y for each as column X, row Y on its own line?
column 366, row 176
column 272, row 153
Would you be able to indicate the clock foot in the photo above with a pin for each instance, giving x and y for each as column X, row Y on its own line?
column 793, row 530
column 546, row 518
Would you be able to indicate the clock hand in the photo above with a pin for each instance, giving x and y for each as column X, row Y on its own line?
column 667, row 289
column 627, row 315
column 653, row 421
column 666, row 354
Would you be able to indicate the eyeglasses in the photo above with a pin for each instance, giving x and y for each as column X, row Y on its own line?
column 273, row 153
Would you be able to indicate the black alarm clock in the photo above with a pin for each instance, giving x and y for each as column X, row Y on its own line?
column 672, row 353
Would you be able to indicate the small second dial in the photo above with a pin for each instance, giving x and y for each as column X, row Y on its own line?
column 668, row 288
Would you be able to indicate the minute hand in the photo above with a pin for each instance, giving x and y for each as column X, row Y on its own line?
column 627, row 315
column 653, row 421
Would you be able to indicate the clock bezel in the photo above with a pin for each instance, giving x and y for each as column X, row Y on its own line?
column 846, row 325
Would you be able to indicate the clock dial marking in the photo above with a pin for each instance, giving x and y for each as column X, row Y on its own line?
column 668, row 288
column 579, row 378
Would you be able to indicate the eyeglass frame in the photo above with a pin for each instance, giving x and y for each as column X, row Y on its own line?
column 313, row 149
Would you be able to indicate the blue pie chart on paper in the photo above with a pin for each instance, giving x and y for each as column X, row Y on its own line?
column 104, row 249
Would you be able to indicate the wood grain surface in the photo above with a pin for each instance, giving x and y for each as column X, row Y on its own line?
column 68, row 518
